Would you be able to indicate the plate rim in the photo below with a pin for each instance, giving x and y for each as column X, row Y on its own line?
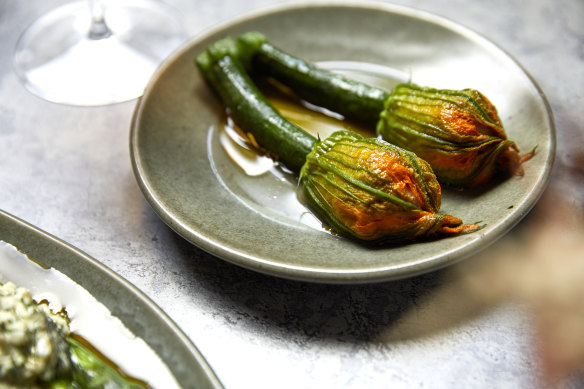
column 34, row 235
column 340, row 276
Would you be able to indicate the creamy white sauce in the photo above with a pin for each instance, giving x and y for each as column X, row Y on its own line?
column 89, row 318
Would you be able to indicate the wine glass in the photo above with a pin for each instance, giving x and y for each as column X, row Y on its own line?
column 96, row 52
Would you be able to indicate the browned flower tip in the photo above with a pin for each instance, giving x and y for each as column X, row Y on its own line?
column 458, row 132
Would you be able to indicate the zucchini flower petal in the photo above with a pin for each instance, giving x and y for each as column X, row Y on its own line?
column 458, row 132
column 371, row 190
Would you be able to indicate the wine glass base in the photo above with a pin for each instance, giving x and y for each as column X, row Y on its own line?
column 57, row 60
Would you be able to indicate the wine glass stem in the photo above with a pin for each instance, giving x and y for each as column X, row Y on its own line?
column 98, row 29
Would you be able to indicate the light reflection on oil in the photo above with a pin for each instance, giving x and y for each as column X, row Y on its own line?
column 241, row 152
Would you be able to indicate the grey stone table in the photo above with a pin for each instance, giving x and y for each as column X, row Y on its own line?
column 67, row 170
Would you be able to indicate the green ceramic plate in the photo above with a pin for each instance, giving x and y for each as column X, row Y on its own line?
column 138, row 313
column 256, row 221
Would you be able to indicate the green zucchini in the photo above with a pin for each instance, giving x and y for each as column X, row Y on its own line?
column 352, row 99
column 366, row 189
column 458, row 132
column 250, row 110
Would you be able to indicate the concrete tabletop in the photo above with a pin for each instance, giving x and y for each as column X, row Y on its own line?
column 67, row 170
